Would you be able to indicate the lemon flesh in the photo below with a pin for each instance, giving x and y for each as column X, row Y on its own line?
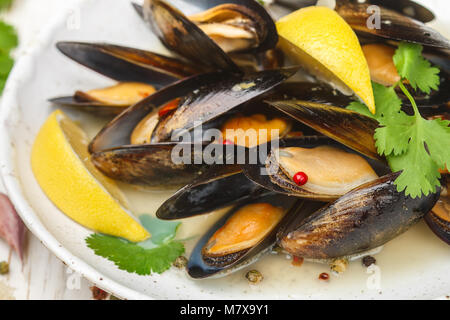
column 320, row 40
column 61, row 164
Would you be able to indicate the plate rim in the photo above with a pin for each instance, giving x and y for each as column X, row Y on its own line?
column 7, row 168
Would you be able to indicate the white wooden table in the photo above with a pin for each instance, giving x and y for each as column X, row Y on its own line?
column 42, row 275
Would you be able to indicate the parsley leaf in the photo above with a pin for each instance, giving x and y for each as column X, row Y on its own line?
column 425, row 156
column 411, row 65
column 360, row 107
column 144, row 258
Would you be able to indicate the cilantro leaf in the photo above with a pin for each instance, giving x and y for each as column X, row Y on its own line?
column 161, row 230
column 427, row 152
column 6, row 64
column 414, row 146
column 394, row 136
column 411, row 65
column 154, row 255
column 133, row 258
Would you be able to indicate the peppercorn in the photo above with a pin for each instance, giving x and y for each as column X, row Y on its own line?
column 339, row 265
column 99, row 294
column 180, row 262
column 254, row 276
column 367, row 261
column 324, row 276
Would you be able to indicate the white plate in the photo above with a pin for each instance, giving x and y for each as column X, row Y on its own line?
column 414, row 265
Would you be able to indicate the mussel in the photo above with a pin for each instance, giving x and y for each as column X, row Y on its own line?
column 365, row 218
column 202, row 99
column 206, row 37
column 406, row 7
column 393, row 25
column 139, row 74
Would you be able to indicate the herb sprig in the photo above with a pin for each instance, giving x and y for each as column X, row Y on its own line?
column 416, row 146
column 155, row 255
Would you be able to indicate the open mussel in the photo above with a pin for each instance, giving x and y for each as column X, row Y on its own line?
column 406, row 7
column 365, row 218
column 199, row 99
column 110, row 100
column 244, row 234
column 139, row 74
column 331, row 168
column 215, row 97
column 438, row 219
column 379, row 57
column 223, row 27
column 237, row 26
column 184, row 37
column 350, row 128
column 393, row 25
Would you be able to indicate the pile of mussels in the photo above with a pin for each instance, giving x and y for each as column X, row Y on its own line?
column 226, row 72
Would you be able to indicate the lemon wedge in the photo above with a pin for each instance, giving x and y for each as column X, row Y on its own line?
column 319, row 39
column 61, row 164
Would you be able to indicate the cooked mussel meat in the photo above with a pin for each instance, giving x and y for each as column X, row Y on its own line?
column 242, row 231
column 331, row 171
column 352, row 129
column 110, row 100
column 234, row 27
column 253, row 130
column 244, row 234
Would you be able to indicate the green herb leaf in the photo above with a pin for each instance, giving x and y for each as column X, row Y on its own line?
column 5, row 4
column 133, row 258
column 154, row 255
column 411, row 65
column 413, row 145
column 419, row 165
